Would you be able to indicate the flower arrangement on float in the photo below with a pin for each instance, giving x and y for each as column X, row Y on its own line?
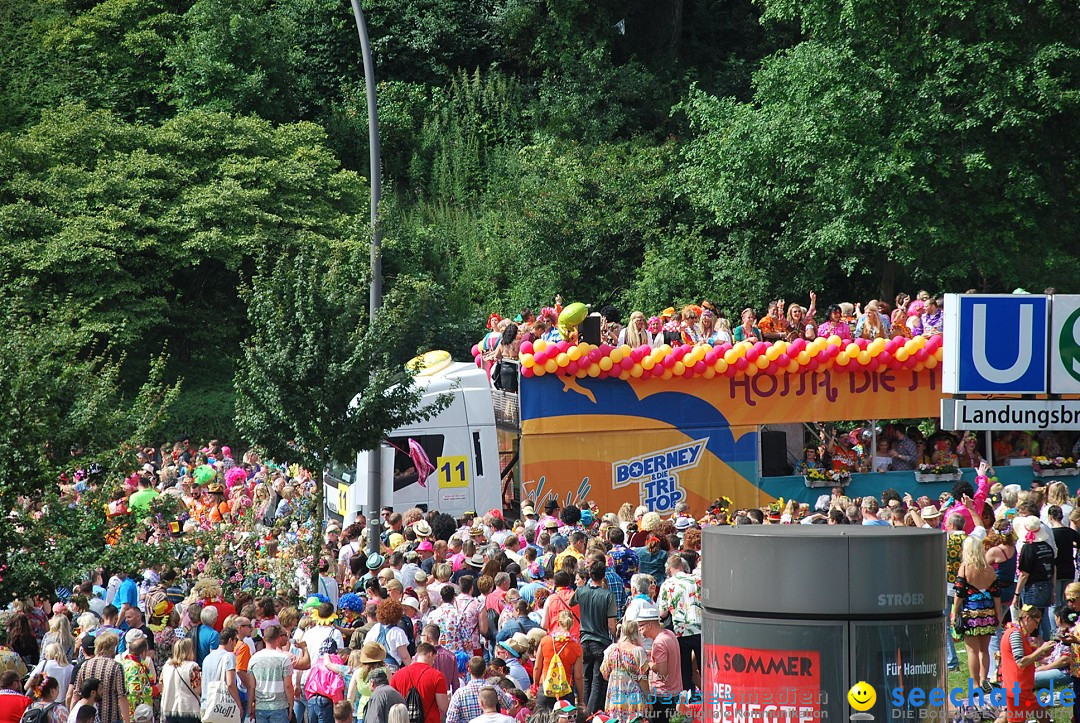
column 826, row 478
column 937, row 473
column 1054, row 466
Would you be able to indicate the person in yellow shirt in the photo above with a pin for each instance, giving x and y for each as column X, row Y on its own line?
column 575, row 549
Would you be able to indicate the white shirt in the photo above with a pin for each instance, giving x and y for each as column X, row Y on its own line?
column 214, row 667
column 492, row 718
column 315, row 636
column 395, row 638
column 328, row 586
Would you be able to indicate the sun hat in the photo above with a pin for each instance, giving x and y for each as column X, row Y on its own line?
column 648, row 613
column 552, row 524
column 422, row 529
column 930, row 512
column 425, row 546
column 527, row 511
column 535, row 635
column 682, row 524
column 1034, row 530
column 396, row 540
column 516, row 645
column 132, row 635
column 822, row 504
column 420, row 578
column 476, row 530
column 375, row 561
column 372, row 653
column 410, row 602
column 476, row 561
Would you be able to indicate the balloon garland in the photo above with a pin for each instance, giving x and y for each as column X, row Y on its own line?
column 741, row 359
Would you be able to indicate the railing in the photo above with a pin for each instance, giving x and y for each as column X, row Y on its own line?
column 507, row 409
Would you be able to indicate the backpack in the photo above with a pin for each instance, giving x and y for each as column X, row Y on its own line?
column 492, row 619
column 415, row 704
column 556, row 683
column 383, row 629
column 325, row 682
column 37, row 715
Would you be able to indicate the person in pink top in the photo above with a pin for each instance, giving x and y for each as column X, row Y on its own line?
column 834, row 324
column 963, row 489
column 665, row 674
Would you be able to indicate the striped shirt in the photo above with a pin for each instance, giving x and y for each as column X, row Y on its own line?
column 113, row 688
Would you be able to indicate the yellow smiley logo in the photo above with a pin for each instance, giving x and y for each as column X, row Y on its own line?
column 861, row 697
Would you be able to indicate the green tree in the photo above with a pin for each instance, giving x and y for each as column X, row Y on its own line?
column 316, row 381
column 56, row 397
column 915, row 144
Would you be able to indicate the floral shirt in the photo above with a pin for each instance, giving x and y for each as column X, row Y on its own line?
column 770, row 324
column 58, row 714
column 10, row 660
column 163, row 642
column 624, row 561
column 451, row 627
column 470, row 608
column 681, row 593
column 931, row 324
column 140, row 688
column 954, row 545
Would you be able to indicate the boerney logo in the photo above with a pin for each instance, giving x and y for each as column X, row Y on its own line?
column 657, row 473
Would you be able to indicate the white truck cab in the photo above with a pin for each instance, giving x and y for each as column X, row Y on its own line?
column 461, row 442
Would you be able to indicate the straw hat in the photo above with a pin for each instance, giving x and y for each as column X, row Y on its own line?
column 422, row 529
column 372, row 653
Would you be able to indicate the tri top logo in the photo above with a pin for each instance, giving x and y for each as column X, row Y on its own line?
column 1011, row 344
column 657, row 473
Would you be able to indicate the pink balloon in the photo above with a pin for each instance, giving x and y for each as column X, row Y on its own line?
column 822, row 356
column 722, row 349
column 742, row 363
column 796, row 346
column 605, row 349
column 668, row 361
column 595, row 356
column 563, row 345
column 657, row 371
column 885, row 358
column 476, row 349
column 932, row 343
column 637, row 354
column 812, row 365
column 572, row 368
column 832, row 351
column 711, row 357
column 627, row 363
column 862, row 344
column 921, row 354
column 540, row 357
column 526, row 371
column 679, row 352
column 782, row 361
column 699, row 368
column 773, row 367
column 910, row 362
column 526, row 347
column 730, row 371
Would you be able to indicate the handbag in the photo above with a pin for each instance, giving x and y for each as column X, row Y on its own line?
column 220, row 706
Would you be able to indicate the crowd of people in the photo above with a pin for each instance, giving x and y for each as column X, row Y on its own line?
column 704, row 323
column 549, row 614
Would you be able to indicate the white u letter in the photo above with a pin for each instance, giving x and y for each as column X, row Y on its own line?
column 1023, row 358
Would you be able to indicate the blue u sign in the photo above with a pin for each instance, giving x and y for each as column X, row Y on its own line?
column 1002, row 345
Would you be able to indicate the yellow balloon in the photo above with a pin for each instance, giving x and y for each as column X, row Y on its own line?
column 667, row 374
column 864, row 357
column 648, row 363
column 637, row 370
column 852, row 349
column 574, row 353
column 616, row 355
column 739, row 349
column 563, row 359
column 664, row 349
column 720, row 366
column 550, row 366
column 842, row 359
column 792, row 367
column 803, row 358
column 539, row 345
column 582, row 373
column 751, row 370
column 625, row 349
column 938, row 354
column 678, row 368
column 920, row 342
column 834, row 340
column 538, row 370
column 709, row 373
column 594, row 370
column 931, row 362
column 761, row 362
column 730, row 356
column 901, row 354
column 526, row 360
column 605, row 363
column 624, row 374
column 771, row 353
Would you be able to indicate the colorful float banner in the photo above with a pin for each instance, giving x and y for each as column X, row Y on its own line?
column 657, row 442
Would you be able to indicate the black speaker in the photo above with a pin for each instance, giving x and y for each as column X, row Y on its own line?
column 774, row 461
column 590, row 329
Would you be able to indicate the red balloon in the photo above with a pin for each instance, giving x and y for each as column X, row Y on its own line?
column 526, row 371
column 742, row 363
column 563, row 345
column 722, row 348
column 796, row 346
column 605, row 349
column 595, row 355
column 526, row 347
column 711, row 357
column 932, row 343
column 885, row 358
column 689, row 373
column 921, row 354
column 699, row 368
column 832, row 351
column 910, row 362
column 730, row 371
column 862, row 344
column 668, row 361
column 781, row 361
column 657, row 371
column 822, row 356
column 812, row 365
column 773, row 367
column 679, row 352
column 637, row 354
column 572, row 368
column 627, row 363
column 540, row 357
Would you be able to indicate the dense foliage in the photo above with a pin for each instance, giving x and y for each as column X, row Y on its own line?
column 634, row 153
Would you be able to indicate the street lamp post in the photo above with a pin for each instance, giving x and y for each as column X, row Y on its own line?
column 375, row 298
